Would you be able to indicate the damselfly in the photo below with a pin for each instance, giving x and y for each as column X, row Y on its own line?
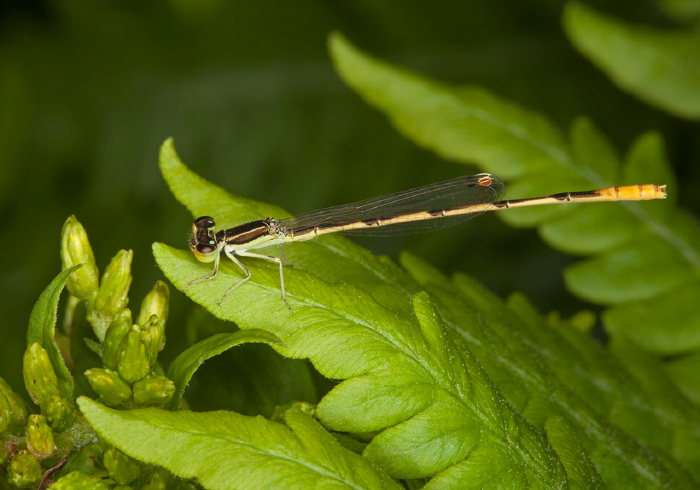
column 426, row 208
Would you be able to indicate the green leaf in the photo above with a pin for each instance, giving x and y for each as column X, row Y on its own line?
column 649, row 373
column 251, row 381
column 623, row 273
column 465, row 124
column 545, row 372
column 660, row 67
column 591, row 149
column 579, row 467
column 42, row 329
column 347, row 333
column 448, row 428
column 224, row 450
column 643, row 250
column 184, row 366
column 684, row 373
column 411, row 370
column 638, row 321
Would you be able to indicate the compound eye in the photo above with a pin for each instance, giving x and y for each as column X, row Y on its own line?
column 203, row 242
column 203, row 224
column 205, row 248
column 205, row 252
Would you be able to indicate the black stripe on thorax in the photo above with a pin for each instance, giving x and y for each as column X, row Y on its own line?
column 245, row 233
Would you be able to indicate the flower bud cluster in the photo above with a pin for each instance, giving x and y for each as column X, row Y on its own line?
column 129, row 348
column 130, row 377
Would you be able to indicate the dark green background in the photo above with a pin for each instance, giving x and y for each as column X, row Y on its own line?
column 89, row 91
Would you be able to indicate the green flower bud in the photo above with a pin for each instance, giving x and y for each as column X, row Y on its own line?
column 75, row 249
column 153, row 337
column 113, row 293
column 133, row 363
column 114, row 336
column 120, row 467
column 39, row 376
column 109, row 386
column 59, row 413
column 153, row 390
column 18, row 411
column 156, row 303
column 24, row 470
column 40, row 437
column 77, row 480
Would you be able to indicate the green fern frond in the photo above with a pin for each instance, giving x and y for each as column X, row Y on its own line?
column 645, row 255
column 456, row 385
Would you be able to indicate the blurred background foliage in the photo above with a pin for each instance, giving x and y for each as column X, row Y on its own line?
column 89, row 91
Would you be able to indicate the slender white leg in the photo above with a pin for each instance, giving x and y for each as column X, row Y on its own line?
column 243, row 253
column 243, row 267
column 265, row 257
column 213, row 274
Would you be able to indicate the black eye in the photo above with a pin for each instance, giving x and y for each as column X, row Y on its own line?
column 204, row 222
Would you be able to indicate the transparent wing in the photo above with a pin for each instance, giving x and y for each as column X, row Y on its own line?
column 448, row 194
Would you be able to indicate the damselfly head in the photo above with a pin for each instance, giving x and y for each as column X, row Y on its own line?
column 203, row 241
